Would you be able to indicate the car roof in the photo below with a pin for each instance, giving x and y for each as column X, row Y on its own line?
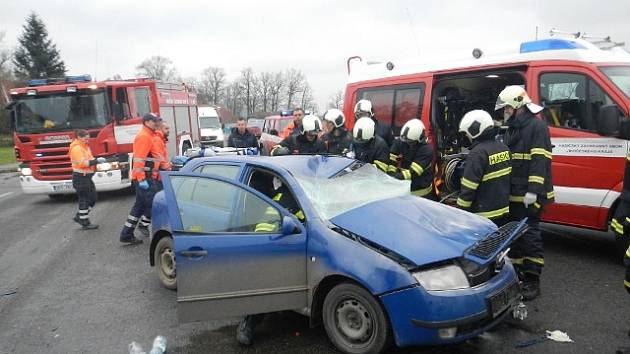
column 316, row 166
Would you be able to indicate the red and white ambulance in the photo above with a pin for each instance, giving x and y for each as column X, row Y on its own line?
column 585, row 90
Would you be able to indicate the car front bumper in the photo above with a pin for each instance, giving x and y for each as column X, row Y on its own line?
column 421, row 317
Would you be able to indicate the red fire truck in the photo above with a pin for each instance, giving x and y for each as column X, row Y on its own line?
column 45, row 113
column 584, row 88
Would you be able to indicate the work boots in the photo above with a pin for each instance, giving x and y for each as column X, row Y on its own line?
column 530, row 287
column 85, row 223
column 144, row 231
column 245, row 331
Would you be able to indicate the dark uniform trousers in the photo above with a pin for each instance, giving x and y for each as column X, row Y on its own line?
column 86, row 193
column 142, row 206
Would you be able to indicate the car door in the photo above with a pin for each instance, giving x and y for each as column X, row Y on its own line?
column 227, row 265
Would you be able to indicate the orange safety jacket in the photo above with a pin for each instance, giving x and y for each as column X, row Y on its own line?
column 80, row 156
column 158, row 151
column 143, row 162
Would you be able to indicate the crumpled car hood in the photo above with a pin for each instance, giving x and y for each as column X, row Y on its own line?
column 418, row 229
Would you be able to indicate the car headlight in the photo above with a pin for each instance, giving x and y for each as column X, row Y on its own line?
column 25, row 171
column 448, row 277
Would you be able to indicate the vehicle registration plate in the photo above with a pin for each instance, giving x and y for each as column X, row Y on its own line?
column 62, row 187
column 504, row 299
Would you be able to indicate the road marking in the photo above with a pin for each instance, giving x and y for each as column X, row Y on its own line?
column 5, row 194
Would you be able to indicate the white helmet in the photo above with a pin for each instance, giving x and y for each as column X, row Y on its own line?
column 474, row 123
column 335, row 116
column 363, row 107
column 363, row 129
column 311, row 123
column 516, row 97
column 413, row 130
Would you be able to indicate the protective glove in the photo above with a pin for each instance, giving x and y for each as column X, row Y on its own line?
column 280, row 150
column 194, row 152
column 101, row 160
column 350, row 154
column 144, row 185
column 529, row 199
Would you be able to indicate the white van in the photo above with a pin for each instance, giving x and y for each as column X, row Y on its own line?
column 211, row 127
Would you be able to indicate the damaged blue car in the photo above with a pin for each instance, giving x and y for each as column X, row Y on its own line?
column 371, row 262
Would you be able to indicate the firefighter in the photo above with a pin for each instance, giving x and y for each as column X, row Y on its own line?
column 241, row 137
column 307, row 142
column 411, row 158
column 337, row 139
column 283, row 196
column 83, row 167
column 485, row 185
column 621, row 221
column 531, row 187
column 369, row 147
column 364, row 108
column 160, row 153
column 143, row 168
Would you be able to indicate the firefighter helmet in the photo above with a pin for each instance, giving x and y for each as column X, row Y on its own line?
column 516, row 97
column 363, row 108
column 474, row 123
column 335, row 116
column 363, row 130
column 311, row 123
column 412, row 131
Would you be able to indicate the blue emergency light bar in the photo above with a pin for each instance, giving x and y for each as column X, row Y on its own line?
column 67, row 79
column 286, row 113
column 549, row 44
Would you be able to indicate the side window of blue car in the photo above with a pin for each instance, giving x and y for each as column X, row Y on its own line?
column 211, row 206
column 226, row 171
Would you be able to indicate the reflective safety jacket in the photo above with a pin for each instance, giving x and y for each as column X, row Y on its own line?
column 485, row 185
column 143, row 162
column 160, row 154
column 374, row 151
column 283, row 197
column 412, row 162
column 528, row 140
column 81, row 157
column 620, row 222
column 337, row 141
column 299, row 144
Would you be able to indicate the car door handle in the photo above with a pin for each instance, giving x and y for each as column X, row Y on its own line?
column 194, row 253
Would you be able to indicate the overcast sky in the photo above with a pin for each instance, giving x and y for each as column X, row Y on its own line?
column 110, row 37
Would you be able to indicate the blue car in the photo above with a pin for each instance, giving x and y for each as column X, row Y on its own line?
column 366, row 259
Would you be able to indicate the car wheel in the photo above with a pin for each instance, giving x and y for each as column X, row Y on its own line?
column 355, row 321
column 164, row 256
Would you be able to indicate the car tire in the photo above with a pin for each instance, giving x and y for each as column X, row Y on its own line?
column 165, row 265
column 355, row 321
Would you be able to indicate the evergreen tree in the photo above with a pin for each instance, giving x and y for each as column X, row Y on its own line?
column 37, row 56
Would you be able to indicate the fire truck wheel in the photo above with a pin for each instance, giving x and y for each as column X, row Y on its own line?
column 164, row 256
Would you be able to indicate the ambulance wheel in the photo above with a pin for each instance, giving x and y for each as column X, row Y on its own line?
column 355, row 321
column 164, row 256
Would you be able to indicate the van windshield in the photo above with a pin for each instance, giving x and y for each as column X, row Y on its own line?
column 620, row 76
column 209, row 122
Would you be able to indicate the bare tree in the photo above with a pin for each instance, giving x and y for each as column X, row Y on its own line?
column 158, row 68
column 233, row 98
column 294, row 84
column 277, row 85
column 336, row 100
column 249, row 87
column 265, row 81
column 6, row 82
column 307, row 98
column 212, row 84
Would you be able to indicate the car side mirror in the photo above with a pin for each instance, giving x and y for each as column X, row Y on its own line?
column 608, row 120
column 289, row 226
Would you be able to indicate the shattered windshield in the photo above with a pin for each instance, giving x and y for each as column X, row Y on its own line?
column 61, row 111
column 355, row 186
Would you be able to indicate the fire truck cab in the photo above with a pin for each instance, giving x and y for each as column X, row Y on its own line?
column 45, row 114
column 585, row 91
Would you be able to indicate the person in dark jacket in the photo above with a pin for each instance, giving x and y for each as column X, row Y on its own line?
column 485, row 184
column 369, row 147
column 411, row 158
column 621, row 221
column 364, row 108
column 241, row 137
column 531, row 187
column 307, row 142
column 337, row 139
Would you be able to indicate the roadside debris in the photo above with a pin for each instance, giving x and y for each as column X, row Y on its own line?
column 520, row 311
column 8, row 293
column 159, row 346
column 556, row 336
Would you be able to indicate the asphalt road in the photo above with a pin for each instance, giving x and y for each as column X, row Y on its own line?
column 64, row 290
